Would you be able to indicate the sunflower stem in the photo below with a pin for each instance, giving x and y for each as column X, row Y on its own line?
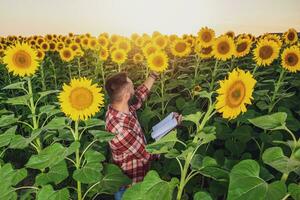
column 54, row 73
column 213, row 76
column 43, row 77
column 79, row 67
column 34, row 120
column 162, row 90
column 276, row 89
column 76, row 137
column 102, row 72
column 70, row 73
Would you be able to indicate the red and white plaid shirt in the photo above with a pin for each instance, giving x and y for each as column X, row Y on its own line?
column 128, row 145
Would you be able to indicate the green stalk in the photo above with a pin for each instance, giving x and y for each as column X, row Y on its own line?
column 102, row 72
column 34, row 120
column 70, row 73
column 76, row 137
column 213, row 76
column 43, row 77
column 162, row 90
column 277, row 87
column 79, row 67
column 54, row 73
column 183, row 176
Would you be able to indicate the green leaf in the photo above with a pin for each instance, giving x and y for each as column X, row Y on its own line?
column 47, row 193
column 151, row 188
column 91, row 171
column 92, row 122
column 56, row 123
column 48, row 157
column 294, row 190
column 270, row 122
column 276, row 190
column 245, row 182
column 56, row 174
column 164, row 145
column 6, row 137
column 13, row 86
column 113, row 178
column 20, row 100
column 202, row 196
column 193, row 117
column 20, row 142
column 275, row 158
column 102, row 136
column 45, row 93
column 6, row 120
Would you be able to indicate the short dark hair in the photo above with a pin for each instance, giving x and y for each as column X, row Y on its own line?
column 115, row 84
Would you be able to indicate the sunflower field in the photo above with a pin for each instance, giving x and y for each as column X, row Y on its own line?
column 239, row 96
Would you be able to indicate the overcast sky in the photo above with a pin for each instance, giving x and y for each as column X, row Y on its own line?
column 26, row 17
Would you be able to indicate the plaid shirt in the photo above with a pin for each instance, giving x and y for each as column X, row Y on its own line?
column 128, row 146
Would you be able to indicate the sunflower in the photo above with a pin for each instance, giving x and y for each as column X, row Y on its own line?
column 45, row 46
column 230, row 34
column 234, row 93
column 291, row 36
column 158, row 61
column 21, row 59
column 139, row 42
column 74, row 46
column 243, row 47
column 134, row 36
column 223, row 48
column 85, row 42
column 138, row 58
column 103, row 41
column 103, row 54
column 160, row 40
column 206, row 36
column 40, row 55
column 180, row 48
column 81, row 99
column 150, row 49
column 290, row 59
column 124, row 44
column 118, row 56
column 52, row 46
column 274, row 38
column 59, row 46
column 114, row 38
column 66, row 54
column 266, row 52
column 203, row 52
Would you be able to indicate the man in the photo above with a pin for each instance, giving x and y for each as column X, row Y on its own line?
column 128, row 146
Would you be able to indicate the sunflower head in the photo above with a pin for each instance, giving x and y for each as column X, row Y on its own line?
column 290, row 59
column 243, row 47
column 40, row 55
column 158, row 61
column 149, row 49
column 81, row 99
column 206, row 36
column 66, row 54
column 21, row 59
column 234, row 93
column 266, row 52
column 138, row 58
column 291, row 36
column 103, row 54
column 103, row 41
column 230, row 34
column 118, row 56
column 223, row 48
column 160, row 40
column 180, row 48
column 204, row 52
column 124, row 44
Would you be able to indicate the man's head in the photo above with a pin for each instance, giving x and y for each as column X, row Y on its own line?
column 119, row 88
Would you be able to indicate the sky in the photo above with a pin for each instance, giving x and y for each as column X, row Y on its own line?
column 28, row 17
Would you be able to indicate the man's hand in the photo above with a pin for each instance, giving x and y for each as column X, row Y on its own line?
column 178, row 117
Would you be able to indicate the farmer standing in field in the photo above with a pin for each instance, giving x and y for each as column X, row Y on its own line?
column 128, row 145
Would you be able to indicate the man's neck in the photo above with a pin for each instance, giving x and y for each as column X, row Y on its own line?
column 122, row 107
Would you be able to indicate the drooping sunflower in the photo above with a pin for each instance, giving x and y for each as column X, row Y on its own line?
column 21, row 59
column 291, row 36
column 138, row 58
column 204, row 52
column 290, row 59
column 81, row 99
column 180, row 48
column 234, row 93
column 243, row 47
column 266, row 52
column 118, row 56
column 223, row 48
column 206, row 36
column 66, row 54
column 103, row 54
column 158, row 61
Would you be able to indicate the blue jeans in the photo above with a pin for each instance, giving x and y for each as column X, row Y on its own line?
column 119, row 194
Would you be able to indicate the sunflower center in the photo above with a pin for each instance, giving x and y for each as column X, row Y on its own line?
column 241, row 47
column 180, row 47
column 160, row 42
column 206, row 37
column 158, row 61
column 265, row 52
column 206, row 50
column 22, row 59
column 67, row 54
column 81, row 98
column 236, row 94
column 291, row 59
column 223, row 47
column 291, row 36
column 119, row 56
